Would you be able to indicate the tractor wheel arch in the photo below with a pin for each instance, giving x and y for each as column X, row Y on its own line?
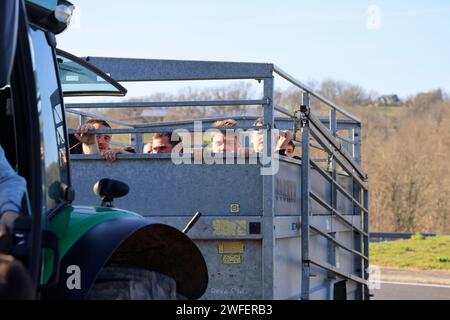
column 134, row 243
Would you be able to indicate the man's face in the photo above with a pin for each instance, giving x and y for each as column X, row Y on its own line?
column 289, row 151
column 223, row 143
column 103, row 140
column 147, row 148
column 161, row 145
column 258, row 140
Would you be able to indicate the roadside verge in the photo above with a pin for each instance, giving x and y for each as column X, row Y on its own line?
column 437, row 277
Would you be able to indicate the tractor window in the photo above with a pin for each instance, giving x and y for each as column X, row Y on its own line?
column 47, row 4
column 79, row 78
column 51, row 118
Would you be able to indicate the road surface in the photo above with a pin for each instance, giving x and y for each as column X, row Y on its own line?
column 411, row 291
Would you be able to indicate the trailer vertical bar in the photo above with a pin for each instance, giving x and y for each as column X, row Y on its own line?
column 268, row 242
column 83, row 119
column 358, row 239
column 306, row 189
column 357, row 145
column 331, row 247
column 138, row 141
column 333, row 129
column 366, row 295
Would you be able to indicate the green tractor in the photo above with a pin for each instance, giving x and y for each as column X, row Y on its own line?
column 75, row 252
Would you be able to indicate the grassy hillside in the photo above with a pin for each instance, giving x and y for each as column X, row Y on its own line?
column 426, row 253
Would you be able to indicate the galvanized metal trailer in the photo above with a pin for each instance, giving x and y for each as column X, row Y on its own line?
column 301, row 233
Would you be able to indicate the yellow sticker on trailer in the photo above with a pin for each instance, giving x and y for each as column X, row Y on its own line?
column 230, row 227
column 231, row 247
column 232, row 259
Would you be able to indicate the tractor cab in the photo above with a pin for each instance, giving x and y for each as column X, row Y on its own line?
column 87, row 250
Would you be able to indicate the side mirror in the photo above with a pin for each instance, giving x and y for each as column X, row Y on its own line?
column 109, row 189
column 9, row 21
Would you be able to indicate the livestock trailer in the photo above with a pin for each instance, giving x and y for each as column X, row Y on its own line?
column 272, row 227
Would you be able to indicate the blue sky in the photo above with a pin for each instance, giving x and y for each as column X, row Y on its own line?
column 312, row 40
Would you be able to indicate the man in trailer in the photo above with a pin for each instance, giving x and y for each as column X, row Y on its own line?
column 289, row 151
column 95, row 143
column 164, row 142
column 223, row 141
column 258, row 139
